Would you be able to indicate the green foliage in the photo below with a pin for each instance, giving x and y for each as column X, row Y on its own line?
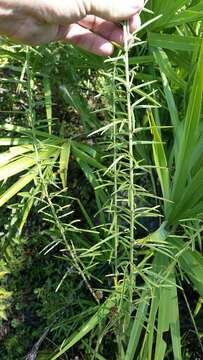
column 101, row 170
column 4, row 294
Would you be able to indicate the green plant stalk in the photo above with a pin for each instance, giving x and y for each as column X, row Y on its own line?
column 115, row 214
column 115, row 198
column 131, row 194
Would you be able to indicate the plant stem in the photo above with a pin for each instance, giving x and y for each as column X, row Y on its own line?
column 115, row 205
column 131, row 194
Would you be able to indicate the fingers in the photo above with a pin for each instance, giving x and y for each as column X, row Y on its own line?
column 108, row 29
column 32, row 32
column 105, row 28
column 95, row 34
column 115, row 10
column 87, row 40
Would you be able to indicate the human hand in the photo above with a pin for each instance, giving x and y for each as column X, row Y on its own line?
column 89, row 24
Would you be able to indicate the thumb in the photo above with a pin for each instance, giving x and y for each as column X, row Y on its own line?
column 115, row 10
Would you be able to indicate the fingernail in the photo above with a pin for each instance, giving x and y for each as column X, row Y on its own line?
column 138, row 22
column 106, row 49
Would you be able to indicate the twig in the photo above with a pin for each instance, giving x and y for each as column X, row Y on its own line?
column 35, row 349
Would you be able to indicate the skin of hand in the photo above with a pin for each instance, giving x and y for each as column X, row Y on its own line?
column 89, row 24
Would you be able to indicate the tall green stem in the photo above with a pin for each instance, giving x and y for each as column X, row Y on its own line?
column 115, row 205
column 131, row 194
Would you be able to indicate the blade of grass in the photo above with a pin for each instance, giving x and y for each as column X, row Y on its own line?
column 64, row 162
column 190, row 131
column 19, row 185
column 159, row 157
